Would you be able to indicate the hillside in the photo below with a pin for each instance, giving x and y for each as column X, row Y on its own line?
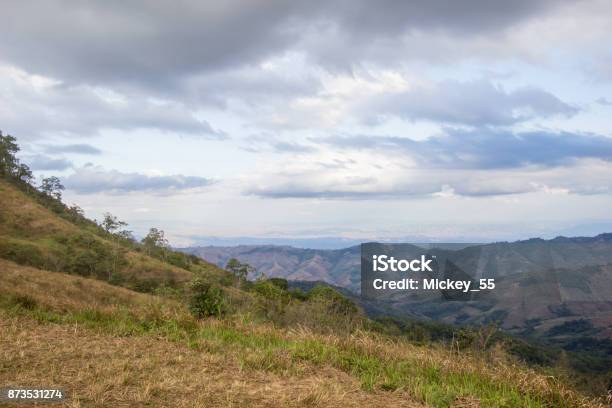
column 113, row 347
column 120, row 348
column 555, row 290
column 39, row 232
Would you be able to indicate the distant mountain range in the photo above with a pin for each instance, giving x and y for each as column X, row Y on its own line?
column 559, row 289
column 338, row 267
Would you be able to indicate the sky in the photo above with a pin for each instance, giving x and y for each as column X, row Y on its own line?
column 321, row 121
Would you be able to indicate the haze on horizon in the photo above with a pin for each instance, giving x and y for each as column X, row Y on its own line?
column 341, row 120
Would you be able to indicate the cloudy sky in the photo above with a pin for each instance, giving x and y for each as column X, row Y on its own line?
column 433, row 120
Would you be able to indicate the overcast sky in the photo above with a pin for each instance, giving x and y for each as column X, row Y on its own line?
column 434, row 120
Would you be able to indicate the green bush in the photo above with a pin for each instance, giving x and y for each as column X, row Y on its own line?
column 280, row 283
column 23, row 253
column 268, row 290
column 336, row 302
column 206, row 300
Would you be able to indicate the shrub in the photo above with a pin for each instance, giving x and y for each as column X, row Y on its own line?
column 144, row 285
column 280, row 283
column 272, row 300
column 25, row 301
column 206, row 300
column 337, row 303
column 268, row 290
column 23, row 253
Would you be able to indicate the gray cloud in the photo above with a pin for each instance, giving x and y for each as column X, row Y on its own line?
column 169, row 62
column 604, row 101
column 91, row 179
column 44, row 162
column 475, row 103
column 159, row 44
column 471, row 163
column 270, row 143
column 419, row 182
column 73, row 148
column 415, row 190
column 85, row 111
column 487, row 148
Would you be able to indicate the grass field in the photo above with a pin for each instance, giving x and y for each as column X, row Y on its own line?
column 113, row 347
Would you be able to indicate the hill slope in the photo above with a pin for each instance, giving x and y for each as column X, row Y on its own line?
column 89, row 337
column 49, row 237
column 110, row 346
column 544, row 287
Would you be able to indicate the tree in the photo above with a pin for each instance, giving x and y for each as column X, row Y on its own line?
column 9, row 163
column 76, row 212
column 52, row 187
column 24, row 174
column 112, row 224
column 115, row 227
column 238, row 269
column 155, row 242
column 8, row 159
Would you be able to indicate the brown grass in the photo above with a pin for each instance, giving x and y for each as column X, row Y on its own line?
column 100, row 370
column 61, row 292
column 21, row 218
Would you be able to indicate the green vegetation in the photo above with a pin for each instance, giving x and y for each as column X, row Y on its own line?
column 379, row 362
column 206, row 300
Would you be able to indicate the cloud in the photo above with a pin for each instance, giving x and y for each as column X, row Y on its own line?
column 260, row 143
column 92, row 179
column 476, row 103
column 44, row 162
column 157, row 44
column 486, row 148
column 52, row 108
column 604, row 101
column 396, row 182
column 73, row 148
column 469, row 163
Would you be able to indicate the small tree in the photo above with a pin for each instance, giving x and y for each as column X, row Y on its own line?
column 206, row 299
column 112, row 224
column 76, row 212
column 155, row 242
column 115, row 227
column 9, row 163
column 52, row 187
column 24, row 174
column 8, row 159
column 239, row 270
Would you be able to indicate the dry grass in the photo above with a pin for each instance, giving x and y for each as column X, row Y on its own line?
column 21, row 216
column 139, row 350
column 59, row 291
column 101, row 370
column 23, row 221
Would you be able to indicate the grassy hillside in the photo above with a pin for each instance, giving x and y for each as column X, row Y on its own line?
column 554, row 292
column 42, row 232
column 111, row 346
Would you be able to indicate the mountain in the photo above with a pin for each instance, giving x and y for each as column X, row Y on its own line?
column 339, row 267
column 559, row 290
